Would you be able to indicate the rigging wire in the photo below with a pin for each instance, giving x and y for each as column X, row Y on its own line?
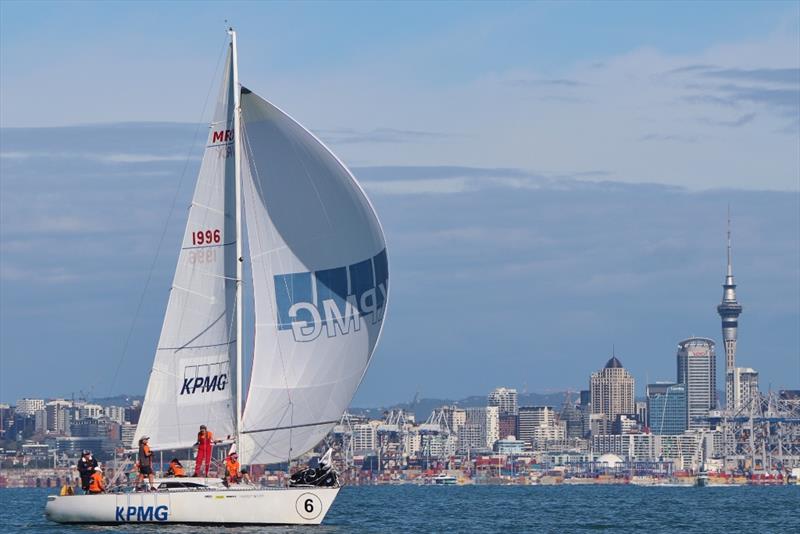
column 200, row 123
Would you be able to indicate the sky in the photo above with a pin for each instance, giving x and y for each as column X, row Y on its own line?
column 553, row 179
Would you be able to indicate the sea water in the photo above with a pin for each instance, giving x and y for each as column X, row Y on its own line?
column 512, row 509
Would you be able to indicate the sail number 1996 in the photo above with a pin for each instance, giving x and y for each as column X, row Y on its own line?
column 206, row 237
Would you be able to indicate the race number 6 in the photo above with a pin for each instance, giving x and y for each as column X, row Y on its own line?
column 309, row 506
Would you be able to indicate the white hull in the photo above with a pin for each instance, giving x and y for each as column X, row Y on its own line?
column 272, row 506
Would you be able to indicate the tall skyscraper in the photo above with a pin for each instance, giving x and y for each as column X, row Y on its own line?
column 697, row 370
column 612, row 392
column 729, row 310
column 666, row 408
column 505, row 399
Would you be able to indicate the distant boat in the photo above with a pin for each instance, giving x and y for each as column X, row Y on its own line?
column 320, row 288
column 443, row 479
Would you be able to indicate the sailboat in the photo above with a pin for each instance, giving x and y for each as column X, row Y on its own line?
column 320, row 288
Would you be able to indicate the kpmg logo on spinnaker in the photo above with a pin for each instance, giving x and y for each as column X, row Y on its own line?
column 332, row 301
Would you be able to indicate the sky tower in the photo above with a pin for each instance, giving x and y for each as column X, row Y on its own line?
column 729, row 310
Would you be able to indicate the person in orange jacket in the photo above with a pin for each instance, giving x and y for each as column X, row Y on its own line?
column 205, row 444
column 233, row 470
column 96, row 484
column 176, row 469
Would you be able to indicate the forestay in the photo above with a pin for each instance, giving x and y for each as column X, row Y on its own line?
column 192, row 379
column 320, row 282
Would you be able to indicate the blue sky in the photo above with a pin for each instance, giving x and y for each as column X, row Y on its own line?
column 552, row 177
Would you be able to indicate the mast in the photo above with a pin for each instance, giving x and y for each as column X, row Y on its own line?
column 237, row 165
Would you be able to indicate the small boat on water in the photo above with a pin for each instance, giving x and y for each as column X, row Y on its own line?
column 443, row 479
column 319, row 268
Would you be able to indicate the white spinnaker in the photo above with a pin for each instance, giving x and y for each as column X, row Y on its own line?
column 192, row 379
column 320, row 282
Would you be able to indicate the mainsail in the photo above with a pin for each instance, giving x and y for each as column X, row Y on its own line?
column 320, row 282
column 320, row 286
column 192, row 379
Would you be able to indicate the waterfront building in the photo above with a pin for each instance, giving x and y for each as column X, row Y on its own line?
column 132, row 413
column 509, row 445
column 72, row 447
column 58, row 416
column 29, row 406
column 505, row 399
column 127, row 431
column 470, row 438
column 685, row 450
column 745, row 388
column 585, row 409
column 455, row 417
column 115, row 413
column 573, row 419
column 6, row 420
column 539, row 425
column 89, row 411
column 641, row 412
column 612, row 393
column 666, row 408
column 508, row 425
column 484, row 427
column 40, row 421
column 729, row 310
column 365, row 437
column 697, row 371
column 626, row 424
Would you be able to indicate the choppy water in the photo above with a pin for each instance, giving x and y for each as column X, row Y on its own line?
column 557, row 509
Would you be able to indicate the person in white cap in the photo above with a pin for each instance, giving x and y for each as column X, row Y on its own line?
column 145, row 461
column 96, row 483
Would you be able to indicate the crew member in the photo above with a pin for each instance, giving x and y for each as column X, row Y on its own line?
column 176, row 469
column 86, row 466
column 205, row 444
column 233, row 470
column 96, row 484
column 145, row 459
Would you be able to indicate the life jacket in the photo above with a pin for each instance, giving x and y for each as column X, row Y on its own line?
column 233, row 467
column 207, row 440
column 177, row 470
column 96, row 483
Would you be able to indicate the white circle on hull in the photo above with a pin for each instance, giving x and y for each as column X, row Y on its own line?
column 308, row 506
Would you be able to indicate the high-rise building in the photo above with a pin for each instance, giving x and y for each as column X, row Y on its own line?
column 29, row 406
column 666, row 408
column 697, row 370
column 573, row 419
column 508, row 425
column 540, row 424
column 641, row 412
column 455, row 418
column 612, row 392
column 115, row 413
column 729, row 310
column 745, row 388
column 58, row 416
column 480, row 429
column 505, row 399
column 127, row 432
column 365, row 437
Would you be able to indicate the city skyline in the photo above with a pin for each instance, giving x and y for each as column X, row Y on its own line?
column 567, row 213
